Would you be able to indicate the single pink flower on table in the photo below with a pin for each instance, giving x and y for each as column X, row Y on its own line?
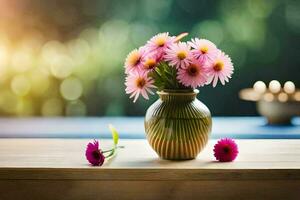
column 203, row 50
column 139, row 83
column 159, row 43
column 93, row 154
column 134, row 59
column 179, row 55
column 221, row 68
column 226, row 150
column 193, row 75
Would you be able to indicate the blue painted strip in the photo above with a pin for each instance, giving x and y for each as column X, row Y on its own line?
column 133, row 127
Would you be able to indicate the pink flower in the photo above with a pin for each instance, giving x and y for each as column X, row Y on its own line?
column 221, row 68
column 149, row 62
column 134, row 59
column 194, row 75
column 159, row 43
column 138, row 83
column 93, row 154
column 179, row 55
column 203, row 50
column 226, row 150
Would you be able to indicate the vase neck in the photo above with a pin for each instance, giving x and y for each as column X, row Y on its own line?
column 177, row 95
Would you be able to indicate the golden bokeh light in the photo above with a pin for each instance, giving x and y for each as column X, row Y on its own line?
column 25, row 107
column 8, row 101
column 79, row 49
column 39, row 82
column 71, row 88
column 21, row 60
column 61, row 66
column 76, row 108
column 52, row 50
column 4, row 55
column 52, row 107
column 20, row 85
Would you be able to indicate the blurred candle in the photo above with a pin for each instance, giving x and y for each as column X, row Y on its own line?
column 259, row 87
column 297, row 96
column 283, row 97
column 268, row 97
column 289, row 87
column 274, row 86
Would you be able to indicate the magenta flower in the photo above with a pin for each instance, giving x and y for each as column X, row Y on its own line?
column 203, row 50
column 193, row 75
column 221, row 68
column 179, row 55
column 139, row 83
column 159, row 43
column 226, row 150
column 93, row 154
column 134, row 59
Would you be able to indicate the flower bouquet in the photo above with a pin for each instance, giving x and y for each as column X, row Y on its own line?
column 177, row 125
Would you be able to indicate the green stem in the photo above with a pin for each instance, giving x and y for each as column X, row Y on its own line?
column 158, row 72
column 111, row 151
column 106, row 151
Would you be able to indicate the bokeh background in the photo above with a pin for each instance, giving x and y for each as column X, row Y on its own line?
column 65, row 58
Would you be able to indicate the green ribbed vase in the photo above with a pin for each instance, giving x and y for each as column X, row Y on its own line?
column 178, row 125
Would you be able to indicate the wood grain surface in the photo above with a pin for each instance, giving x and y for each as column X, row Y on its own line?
column 57, row 169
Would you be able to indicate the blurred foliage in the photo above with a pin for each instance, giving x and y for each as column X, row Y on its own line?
column 66, row 57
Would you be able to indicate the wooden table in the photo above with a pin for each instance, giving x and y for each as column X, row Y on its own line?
column 57, row 169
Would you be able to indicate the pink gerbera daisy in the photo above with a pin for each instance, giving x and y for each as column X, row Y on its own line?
column 193, row 75
column 221, row 68
column 150, row 62
column 134, row 59
column 226, row 150
column 179, row 55
column 93, row 154
column 159, row 43
column 203, row 50
column 138, row 83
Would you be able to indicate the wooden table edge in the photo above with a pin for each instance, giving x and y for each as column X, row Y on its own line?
column 149, row 174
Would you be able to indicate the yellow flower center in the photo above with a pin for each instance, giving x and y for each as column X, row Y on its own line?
column 134, row 58
column 150, row 63
column 193, row 70
column 160, row 41
column 204, row 49
column 140, row 83
column 219, row 65
column 181, row 55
